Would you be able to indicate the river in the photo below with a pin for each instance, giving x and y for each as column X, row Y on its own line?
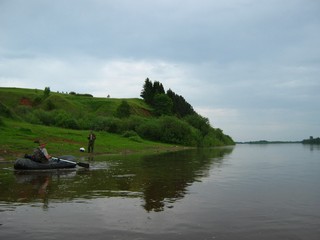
column 268, row 191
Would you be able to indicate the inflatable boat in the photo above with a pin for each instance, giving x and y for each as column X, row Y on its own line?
column 53, row 163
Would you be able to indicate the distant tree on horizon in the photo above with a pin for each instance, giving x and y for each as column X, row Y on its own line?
column 46, row 92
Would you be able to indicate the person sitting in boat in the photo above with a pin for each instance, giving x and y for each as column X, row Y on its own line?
column 40, row 154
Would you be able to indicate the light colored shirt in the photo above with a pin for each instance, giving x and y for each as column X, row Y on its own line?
column 45, row 152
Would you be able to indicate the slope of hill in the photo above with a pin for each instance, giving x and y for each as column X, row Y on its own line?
column 129, row 117
column 15, row 98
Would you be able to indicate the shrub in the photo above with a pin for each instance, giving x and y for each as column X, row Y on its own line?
column 109, row 124
column 129, row 134
column 99, row 123
column 32, row 118
column 114, row 125
column 46, row 118
column 132, row 123
column 136, row 139
column 133, row 136
column 149, row 129
column 65, row 120
column 199, row 122
column 174, row 130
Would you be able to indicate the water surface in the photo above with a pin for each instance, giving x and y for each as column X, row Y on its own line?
column 242, row 192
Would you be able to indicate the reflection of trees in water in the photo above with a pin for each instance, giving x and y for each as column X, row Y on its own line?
column 168, row 175
column 312, row 147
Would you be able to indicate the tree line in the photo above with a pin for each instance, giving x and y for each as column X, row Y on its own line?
column 165, row 103
column 171, row 104
column 311, row 140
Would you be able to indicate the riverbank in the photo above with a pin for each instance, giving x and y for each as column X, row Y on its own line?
column 18, row 138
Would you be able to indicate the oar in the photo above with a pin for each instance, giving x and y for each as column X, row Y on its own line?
column 81, row 164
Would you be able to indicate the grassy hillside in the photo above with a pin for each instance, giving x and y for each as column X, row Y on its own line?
column 14, row 98
column 65, row 119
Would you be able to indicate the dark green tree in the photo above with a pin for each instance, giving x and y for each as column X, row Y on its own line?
column 147, row 92
column 46, row 92
column 162, row 104
column 180, row 106
column 199, row 122
column 123, row 111
column 150, row 90
column 157, row 88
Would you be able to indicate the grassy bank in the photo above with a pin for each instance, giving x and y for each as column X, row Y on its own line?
column 17, row 138
column 63, row 120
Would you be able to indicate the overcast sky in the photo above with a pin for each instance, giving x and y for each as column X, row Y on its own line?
column 251, row 66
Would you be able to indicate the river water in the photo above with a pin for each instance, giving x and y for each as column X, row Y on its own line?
column 244, row 192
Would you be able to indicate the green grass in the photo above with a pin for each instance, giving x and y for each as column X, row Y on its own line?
column 17, row 138
column 75, row 104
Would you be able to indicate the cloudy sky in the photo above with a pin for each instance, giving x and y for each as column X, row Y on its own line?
column 251, row 66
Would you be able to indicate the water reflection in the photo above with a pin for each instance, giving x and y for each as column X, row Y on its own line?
column 36, row 187
column 312, row 147
column 167, row 176
column 159, row 180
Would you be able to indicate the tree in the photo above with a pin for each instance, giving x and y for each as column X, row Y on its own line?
column 46, row 92
column 147, row 92
column 157, row 88
column 150, row 90
column 123, row 110
column 199, row 122
column 162, row 104
column 180, row 106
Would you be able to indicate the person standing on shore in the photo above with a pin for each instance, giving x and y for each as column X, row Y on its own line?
column 91, row 138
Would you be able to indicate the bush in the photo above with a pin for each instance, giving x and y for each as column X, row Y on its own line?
column 132, row 123
column 109, row 124
column 199, row 122
column 149, row 129
column 46, row 118
column 65, row 120
column 32, row 118
column 133, row 136
column 136, row 139
column 129, row 134
column 99, row 123
column 85, row 123
column 177, row 131
column 114, row 125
